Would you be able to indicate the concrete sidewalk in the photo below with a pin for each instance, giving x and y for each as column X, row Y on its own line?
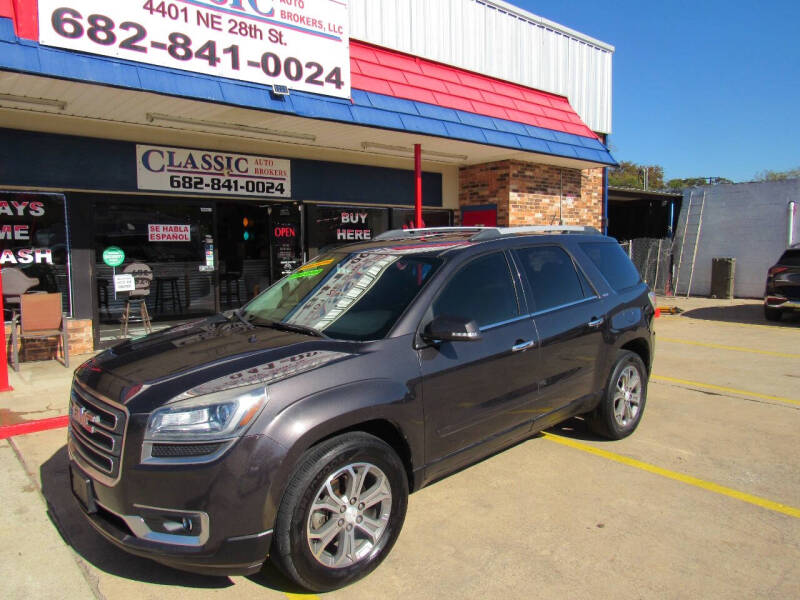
column 41, row 391
column 32, row 546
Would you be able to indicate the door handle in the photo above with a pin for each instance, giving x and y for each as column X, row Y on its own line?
column 596, row 322
column 520, row 346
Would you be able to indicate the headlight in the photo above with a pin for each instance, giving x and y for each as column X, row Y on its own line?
column 215, row 416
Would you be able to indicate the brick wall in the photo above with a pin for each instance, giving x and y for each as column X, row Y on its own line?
column 534, row 194
column 485, row 184
column 80, row 342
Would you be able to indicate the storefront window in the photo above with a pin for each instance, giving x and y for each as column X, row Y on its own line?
column 258, row 244
column 33, row 240
column 174, row 240
column 331, row 226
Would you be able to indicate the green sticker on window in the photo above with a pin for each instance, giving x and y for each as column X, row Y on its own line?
column 306, row 274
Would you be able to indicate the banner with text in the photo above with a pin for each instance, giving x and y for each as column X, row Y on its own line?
column 302, row 44
column 209, row 172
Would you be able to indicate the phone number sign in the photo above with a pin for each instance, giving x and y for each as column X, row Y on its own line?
column 209, row 172
column 302, row 44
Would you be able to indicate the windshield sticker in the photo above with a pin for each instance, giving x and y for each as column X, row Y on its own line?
column 351, row 280
column 300, row 274
column 319, row 263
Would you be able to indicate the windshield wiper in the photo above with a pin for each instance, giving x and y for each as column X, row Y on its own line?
column 239, row 316
column 290, row 327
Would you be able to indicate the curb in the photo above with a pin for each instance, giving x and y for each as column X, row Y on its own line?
column 33, row 426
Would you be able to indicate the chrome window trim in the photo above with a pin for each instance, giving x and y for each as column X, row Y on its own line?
column 506, row 322
column 538, row 313
column 560, row 306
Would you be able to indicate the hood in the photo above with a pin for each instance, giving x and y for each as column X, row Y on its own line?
column 204, row 356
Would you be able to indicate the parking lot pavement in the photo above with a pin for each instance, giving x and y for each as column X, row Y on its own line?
column 702, row 501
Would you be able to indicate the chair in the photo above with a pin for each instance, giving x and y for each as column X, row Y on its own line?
column 143, row 277
column 15, row 284
column 164, row 285
column 231, row 275
column 40, row 317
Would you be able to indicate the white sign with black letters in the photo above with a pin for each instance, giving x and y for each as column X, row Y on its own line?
column 209, row 172
column 124, row 283
column 302, row 44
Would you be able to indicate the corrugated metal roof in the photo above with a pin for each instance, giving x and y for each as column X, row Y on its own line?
column 498, row 39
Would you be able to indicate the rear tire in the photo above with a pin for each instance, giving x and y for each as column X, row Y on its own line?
column 341, row 513
column 621, row 408
column 772, row 314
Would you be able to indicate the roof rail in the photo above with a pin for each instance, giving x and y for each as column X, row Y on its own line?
column 485, row 233
column 494, row 232
column 394, row 234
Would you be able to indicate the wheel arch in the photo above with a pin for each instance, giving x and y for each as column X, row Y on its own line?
column 641, row 347
column 351, row 408
column 386, row 431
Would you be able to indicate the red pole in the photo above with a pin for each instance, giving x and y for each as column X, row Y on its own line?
column 4, row 387
column 418, row 180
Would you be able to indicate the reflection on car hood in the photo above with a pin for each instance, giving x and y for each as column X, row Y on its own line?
column 204, row 356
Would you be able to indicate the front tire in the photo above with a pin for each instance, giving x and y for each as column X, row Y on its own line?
column 772, row 314
column 341, row 513
column 622, row 405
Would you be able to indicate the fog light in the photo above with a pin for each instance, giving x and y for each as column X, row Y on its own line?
column 174, row 526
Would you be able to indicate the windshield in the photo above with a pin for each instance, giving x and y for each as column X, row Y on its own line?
column 355, row 296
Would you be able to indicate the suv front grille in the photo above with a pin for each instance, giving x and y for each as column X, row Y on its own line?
column 96, row 429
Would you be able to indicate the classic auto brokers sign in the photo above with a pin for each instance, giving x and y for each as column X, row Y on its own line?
column 302, row 44
column 208, row 172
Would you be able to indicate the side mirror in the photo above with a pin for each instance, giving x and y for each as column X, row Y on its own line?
column 451, row 329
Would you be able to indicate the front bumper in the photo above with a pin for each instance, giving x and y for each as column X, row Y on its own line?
column 208, row 518
column 781, row 302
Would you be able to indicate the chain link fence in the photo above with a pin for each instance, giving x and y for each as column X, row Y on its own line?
column 653, row 259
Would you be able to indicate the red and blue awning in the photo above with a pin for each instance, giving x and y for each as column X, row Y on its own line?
column 390, row 91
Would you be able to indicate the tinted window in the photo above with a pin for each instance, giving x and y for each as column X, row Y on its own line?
column 552, row 277
column 790, row 258
column 482, row 291
column 613, row 263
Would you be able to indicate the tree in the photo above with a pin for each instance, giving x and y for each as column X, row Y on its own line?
column 687, row 182
column 632, row 175
column 778, row 175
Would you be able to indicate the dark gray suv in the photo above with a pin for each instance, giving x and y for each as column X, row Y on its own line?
column 295, row 427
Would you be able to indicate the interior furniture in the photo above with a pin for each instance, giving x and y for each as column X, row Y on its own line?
column 40, row 316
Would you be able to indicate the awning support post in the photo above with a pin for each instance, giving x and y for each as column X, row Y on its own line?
column 418, row 181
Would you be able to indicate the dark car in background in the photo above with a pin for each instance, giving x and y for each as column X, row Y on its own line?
column 296, row 427
column 782, row 293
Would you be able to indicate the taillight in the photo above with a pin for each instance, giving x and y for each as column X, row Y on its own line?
column 652, row 297
column 775, row 270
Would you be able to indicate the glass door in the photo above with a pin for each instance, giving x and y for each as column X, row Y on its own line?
column 169, row 241
column 285, row 239
column 244, row 265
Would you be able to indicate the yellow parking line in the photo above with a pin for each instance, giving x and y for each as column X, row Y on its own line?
column 688, row 479
column 723, row 347
column 777, row 327
column 301, row 596
column 719, row 388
